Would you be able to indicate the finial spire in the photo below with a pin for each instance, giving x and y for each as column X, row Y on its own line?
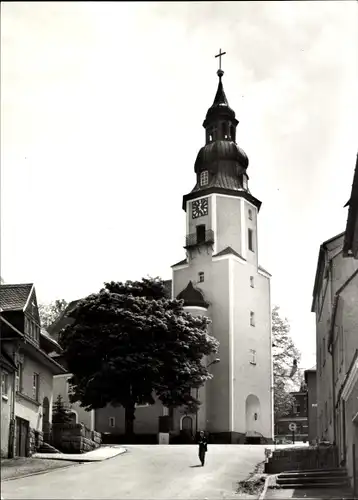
column 220, row 71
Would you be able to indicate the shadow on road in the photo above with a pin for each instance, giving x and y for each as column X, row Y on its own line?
column 193, row 466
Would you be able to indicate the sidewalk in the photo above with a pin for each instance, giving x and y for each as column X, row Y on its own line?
column 101, row 453
column 13, row 468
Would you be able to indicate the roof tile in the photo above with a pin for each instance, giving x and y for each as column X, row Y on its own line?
column 14, row 297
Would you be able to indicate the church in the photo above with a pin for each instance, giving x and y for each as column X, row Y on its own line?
column 220, row 278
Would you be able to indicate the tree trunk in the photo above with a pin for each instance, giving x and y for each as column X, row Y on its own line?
column 129, row 419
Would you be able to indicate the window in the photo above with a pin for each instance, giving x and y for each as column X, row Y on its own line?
column 250, row 214
column 296, row 408
column 253, row 356
column 252, row 281
column 35, row 386
column 204, row 178
column 201, row 277
column 19, row 377
column 112, row 422
column 4, row 384
column 252, row 318
column 251, row 240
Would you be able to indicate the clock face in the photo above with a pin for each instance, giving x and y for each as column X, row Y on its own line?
column 200, row 208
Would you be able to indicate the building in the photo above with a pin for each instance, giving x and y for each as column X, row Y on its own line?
column 335, row 303
column 27, row 371
column 222, row 279
column 298, row 415
column 311, row 383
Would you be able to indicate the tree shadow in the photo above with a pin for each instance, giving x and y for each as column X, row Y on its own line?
column 193, row 466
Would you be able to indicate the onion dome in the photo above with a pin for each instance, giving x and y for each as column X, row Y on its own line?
column 220, row 151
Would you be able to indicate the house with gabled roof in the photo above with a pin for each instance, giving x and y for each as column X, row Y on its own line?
column 27, row 370
column 335, row 303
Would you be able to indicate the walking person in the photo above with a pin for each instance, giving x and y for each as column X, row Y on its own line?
column 203, row 447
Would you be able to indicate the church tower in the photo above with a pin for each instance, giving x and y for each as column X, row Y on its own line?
column 221, row 278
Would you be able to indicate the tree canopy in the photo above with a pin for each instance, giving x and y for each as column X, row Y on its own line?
column 129, row 343
column 285, row 357
column 50, row 312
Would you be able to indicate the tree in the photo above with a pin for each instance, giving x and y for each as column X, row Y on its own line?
column 59, row 413
column 285, row 363
column 130, row 342
column 50, row 312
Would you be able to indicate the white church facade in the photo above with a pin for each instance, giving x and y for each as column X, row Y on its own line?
column 220, row 278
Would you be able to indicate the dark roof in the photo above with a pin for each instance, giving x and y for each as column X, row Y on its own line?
column 350, row 238
column 63, row 320
column 193, row 296
column 180, row 263
column 220, row 106
column 14, row 297
column 224, row 151
column 228, row 251
column 6, row 361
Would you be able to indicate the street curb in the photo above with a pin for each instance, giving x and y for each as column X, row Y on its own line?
column 83, row 458
column 42, row 472
column 264, row 491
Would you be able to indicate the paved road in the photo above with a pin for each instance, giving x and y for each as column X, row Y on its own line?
column 145, row 472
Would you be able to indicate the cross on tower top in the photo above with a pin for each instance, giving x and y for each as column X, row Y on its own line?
column 219, row 55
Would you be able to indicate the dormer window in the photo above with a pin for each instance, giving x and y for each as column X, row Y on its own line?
column 204, row 178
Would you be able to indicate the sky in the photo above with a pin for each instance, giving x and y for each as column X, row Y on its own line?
column 102, row 107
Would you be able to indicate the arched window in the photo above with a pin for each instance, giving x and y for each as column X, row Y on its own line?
column 204, row 178
column 232, row 133
column 201, row 277
column 250, row 214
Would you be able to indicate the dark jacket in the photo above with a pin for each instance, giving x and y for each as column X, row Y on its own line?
column 203, row 443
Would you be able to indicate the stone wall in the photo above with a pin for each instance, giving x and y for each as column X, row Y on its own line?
column 35, row 441
column 289, row 459
column 75, row 438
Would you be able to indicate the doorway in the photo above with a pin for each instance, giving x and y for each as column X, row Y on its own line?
column 22, row 435
column 200, row 234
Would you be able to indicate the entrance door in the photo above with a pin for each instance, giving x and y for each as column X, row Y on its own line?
column 22, row 432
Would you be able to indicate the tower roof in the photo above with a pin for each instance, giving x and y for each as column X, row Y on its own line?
column 193, row 296
column 220, row 108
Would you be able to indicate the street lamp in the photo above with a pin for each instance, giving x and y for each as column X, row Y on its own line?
column 214, row 362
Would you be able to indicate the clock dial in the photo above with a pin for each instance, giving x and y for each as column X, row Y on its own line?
column 200, row 208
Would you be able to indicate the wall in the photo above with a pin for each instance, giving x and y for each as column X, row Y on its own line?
column 146, row 419
column 25, row 406
column 61, row 388
column 333, row 276
column 228, row 218
column 312, row 406
column 252, row 379
column 75, row 438
column 6, row 401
